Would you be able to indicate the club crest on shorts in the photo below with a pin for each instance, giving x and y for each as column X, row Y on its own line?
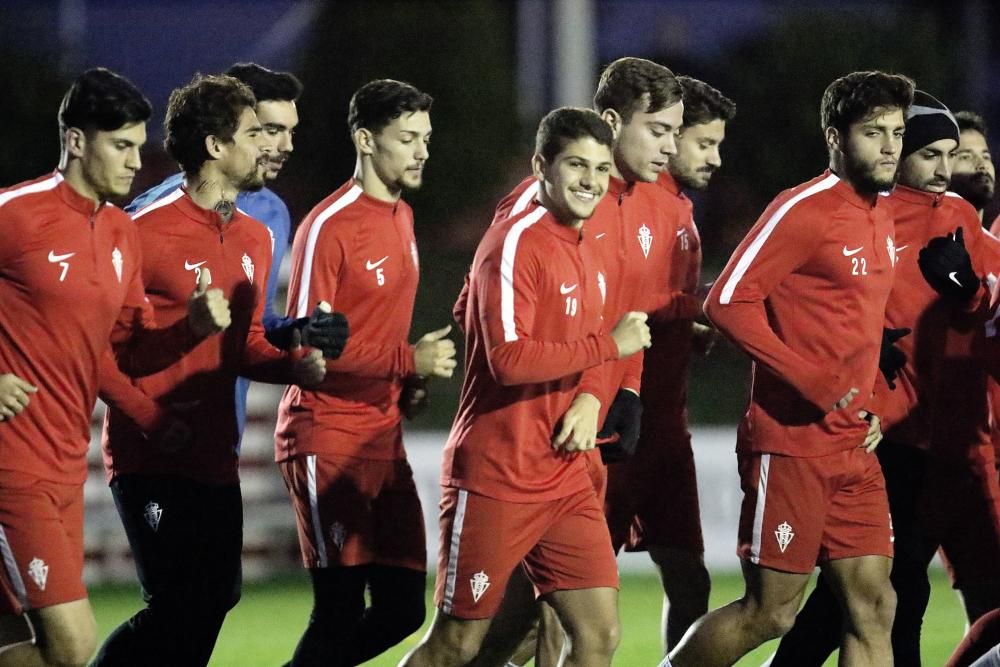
column 645, row 239
column 248, row 267
column 784, row 535
column 480, row 582
column 116, row 261
column 39, row 572
column 152, row 513
column 338, row 534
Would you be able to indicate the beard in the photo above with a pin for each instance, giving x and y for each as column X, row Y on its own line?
column 253, row 181
column 697, row 179
column 975, row 188
column 862, row 175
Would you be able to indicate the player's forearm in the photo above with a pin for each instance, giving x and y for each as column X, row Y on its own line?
column 746, row 324
column 369, row 360
column 526, row 361
column 144, row 350
column 675, row 306
column 118, row 392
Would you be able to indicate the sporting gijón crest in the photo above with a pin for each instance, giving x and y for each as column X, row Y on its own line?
column 645, row 240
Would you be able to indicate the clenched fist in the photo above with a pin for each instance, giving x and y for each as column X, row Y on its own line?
column 631, row 334
column 208, row 309
column 434, row 355
column 14, row 395
column 308, row 369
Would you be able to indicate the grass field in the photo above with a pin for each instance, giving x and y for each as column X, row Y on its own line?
column 264, row 627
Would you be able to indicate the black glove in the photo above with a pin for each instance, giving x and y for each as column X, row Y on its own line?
column 890, row 357
column 620, row 433
column 327, row 332
column 947, row 267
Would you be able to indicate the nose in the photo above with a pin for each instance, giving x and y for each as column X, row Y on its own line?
column 714, row 159
column 134, row 160
column 669, row 146
column 892, row 144
column 285, row 145
column 422, row 150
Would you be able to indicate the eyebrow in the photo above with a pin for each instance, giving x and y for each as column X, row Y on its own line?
column 666, row 126
column 275, row 126
column 254, row 128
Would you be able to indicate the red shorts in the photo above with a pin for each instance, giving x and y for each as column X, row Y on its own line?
column 652, row 498
column 961, row 511
column 41, row 543
column 562, row 543
column 801, row 511
column 352, row 511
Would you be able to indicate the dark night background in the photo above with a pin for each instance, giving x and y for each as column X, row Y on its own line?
column 491, row 84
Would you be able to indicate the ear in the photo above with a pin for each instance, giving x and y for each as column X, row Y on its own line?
column 833, row 139
column 213, row 146
column 538, row 166
column 614, row 121
column 364, row 141
column 76, row 141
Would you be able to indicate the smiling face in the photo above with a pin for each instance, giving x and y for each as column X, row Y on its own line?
column 871, row 149
column 645, row 143
column 278, row 118
column 575, row 180
column 110, row 159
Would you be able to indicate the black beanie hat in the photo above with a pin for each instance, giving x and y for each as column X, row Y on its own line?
column 927, row 121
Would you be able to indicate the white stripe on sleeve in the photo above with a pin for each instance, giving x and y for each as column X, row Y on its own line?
column 751, row 252
column 302, row 308
column 40, row 186
column 507, row 257
column 159, row 203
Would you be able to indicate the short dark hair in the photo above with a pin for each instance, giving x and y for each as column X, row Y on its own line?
column 854, row 97
column 703, row 103
column 628, row 83
column 566, row 124
column 378, row 103
column 970, row 120
column 209, row 105
column 102, row 100
column 267, row 84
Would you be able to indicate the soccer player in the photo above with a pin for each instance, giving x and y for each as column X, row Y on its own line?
column 634, row 230
column 973, row 175
column 340, row 446
column 935, row 420
column 277, row 95
column 182, row 511
column 517, row 486
column 652, row 499
column 65, row 246
column 804, row 295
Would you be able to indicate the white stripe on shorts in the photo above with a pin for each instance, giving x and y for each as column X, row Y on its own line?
column 314, row 510
column 758, row 516
column 456, row 538
column 12, row 572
